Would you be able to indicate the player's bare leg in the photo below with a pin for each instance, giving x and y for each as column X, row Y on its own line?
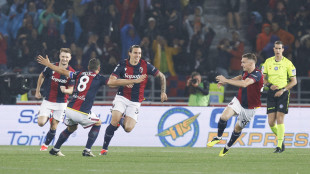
column 129, row 124
column 109, row 132
column 42, row 120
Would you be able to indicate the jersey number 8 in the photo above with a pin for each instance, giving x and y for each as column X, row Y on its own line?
column 82, row 84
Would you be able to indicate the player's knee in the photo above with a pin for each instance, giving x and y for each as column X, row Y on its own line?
column 98, row 123
column 128, row 129
column 41, row 124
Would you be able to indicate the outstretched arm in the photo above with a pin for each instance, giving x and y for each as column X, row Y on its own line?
column 163, row 95
column 114, row 82
column 46, row 62
column 65, row 90
column 39, row 84
column 235, row 81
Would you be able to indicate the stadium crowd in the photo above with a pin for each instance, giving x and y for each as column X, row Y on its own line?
column 175, row 35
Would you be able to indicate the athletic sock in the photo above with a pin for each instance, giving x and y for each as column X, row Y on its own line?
column 233, row 138
column 50, row 136
column 109, row 133
column 92, row 136
column 121, row 122
column 62, row 138
column 281, row 130
column 275, row 129
column 221, row 127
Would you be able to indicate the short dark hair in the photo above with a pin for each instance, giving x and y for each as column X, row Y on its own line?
column 278, row 42
column 65, row 50
column 250, row 56
column 93, row 64
column 132, row 47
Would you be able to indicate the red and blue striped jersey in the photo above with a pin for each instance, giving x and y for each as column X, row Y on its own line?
column 86, row 87
column 249, row 97
column 125, row 70
column 52, row 83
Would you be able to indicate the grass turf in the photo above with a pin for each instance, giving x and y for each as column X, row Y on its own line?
column 154, row 160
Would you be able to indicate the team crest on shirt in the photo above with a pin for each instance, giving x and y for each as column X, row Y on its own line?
column 276, row 68
column 141, row 70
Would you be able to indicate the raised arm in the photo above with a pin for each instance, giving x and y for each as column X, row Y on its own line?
column 235, row 81
column 39, row 84
column 46, row 62
column 114, row 82
column 163, row 95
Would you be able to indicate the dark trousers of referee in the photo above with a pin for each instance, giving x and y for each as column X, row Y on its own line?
column 277, row 107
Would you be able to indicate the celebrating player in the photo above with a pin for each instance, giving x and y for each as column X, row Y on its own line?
column 250, row 84
column 128, row 99
column 79, row 108
column 278, row 70
column 54, row 99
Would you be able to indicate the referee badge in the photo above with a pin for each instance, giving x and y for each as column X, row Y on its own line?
column 281, row 106
column 276, row 68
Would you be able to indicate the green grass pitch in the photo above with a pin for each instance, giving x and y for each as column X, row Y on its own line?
column 154, row 160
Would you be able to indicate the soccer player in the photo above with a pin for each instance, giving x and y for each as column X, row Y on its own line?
column 78, row 110
column 280, row 77
column 128, row 99
column 55, row 101
column 250, row 84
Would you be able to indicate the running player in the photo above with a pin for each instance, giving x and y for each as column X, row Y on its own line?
column 128, row 99
column 280, row 77
column 55, row 101
column 79, row 108
column 250, row 84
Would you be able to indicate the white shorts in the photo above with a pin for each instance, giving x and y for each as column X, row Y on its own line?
column 127, row 107
column 245, row 115
column 58, row 110
column 74, row 117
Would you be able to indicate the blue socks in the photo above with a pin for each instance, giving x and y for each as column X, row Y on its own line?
column 221, row 127
column 109, row 133
column 233, row 138
column 50, row 136
column 62, row 138
column 92, row 136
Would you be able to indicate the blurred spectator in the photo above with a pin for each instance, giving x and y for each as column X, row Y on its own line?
column 233, row 7
column 280, row 14
column 111, row 23
column 27, row 26
column 3, row 23
column 90, row 50
column 163, row 55
column 16, row 16
column 173, row 25
column 34, row 13
column 302, row 61
column 223, row 58
column 70, row 28
column 46, row 16
column 263, row 38
column 286, row 37
column 126, row 10
column 3, row 56
column 300, row 23
column 151, row 31
column 268, row 49
column 51, row 35
column 200, row 62
column 183, row 62
column 129, row 37
column 237, row 50
column 147, row 52
column 156, row 12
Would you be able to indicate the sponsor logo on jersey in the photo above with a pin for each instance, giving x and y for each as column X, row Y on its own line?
column 82, row 97
column 59, row 80
column 182, row 133
column 127, row 76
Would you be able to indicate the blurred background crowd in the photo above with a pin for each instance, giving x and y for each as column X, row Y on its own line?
column 177, row 36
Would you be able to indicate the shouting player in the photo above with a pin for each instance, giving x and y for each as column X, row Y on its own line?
column 78, row 111
column 128, row 99
column 54, row 99
column 250, row 84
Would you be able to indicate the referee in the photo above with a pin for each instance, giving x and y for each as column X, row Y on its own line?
column 280, row 76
